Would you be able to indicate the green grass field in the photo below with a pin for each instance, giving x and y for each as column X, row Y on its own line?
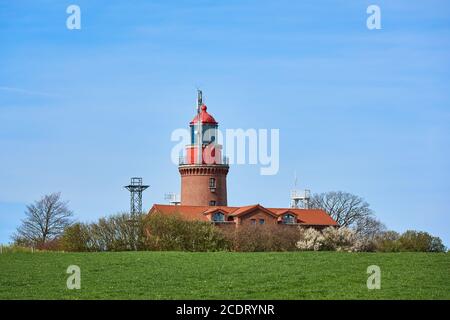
column 171, row 275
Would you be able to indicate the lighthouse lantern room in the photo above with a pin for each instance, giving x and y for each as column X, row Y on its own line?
column 203, row 174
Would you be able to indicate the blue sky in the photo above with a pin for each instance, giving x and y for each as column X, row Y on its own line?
column 362, row 111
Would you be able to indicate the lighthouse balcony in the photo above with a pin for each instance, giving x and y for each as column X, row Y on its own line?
column 183, row 161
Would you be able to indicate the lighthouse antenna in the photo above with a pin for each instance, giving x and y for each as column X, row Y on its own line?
column 199, row 100
column 199, row 127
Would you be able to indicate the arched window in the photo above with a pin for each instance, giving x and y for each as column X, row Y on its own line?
column 289, row 218
column 218, row 217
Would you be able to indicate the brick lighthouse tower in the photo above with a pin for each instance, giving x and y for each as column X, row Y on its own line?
column 203, row 171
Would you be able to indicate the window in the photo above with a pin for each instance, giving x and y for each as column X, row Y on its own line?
column 262, row 221
column 212, row 203
column 288, row 219
column 218, row 217
column 212, row 183
column 253, row 221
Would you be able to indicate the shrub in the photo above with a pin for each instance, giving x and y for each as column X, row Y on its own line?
column 436, row 245
column 51, row 245
column 172, row 233
column 116, row 233
column 260, row 238
column 14, row 248
column 412, row 241
column 76, row 238
column 155, row 232
column 332, row 239
column 420, row 242
column 310, row 240
column 387, row 242
column 339, row 239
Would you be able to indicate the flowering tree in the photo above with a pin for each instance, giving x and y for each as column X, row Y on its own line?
column 331, row 239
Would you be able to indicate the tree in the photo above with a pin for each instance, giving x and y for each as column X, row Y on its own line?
column 345, row 208
column 387, row 241
column 420, row 241
column 436, row 245
column 76, row 238
column 45, row 220
column 369, row 228
column 411, row 241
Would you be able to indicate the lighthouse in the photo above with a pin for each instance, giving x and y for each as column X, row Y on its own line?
column 203, row 170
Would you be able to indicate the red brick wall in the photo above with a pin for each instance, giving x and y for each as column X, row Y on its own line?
column 195, row 189
column 257, row 214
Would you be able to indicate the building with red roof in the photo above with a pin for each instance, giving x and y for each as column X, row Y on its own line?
column 249, row 215
column 204, row 186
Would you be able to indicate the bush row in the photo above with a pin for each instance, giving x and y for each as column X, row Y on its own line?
column 172, row 233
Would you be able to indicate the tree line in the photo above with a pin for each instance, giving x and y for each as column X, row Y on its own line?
column 49, row 225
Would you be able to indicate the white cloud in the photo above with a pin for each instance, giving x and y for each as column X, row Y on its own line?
column 26, row 92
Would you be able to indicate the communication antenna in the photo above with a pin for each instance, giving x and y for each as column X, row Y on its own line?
column 199, row 126
column 173, row 198
column 136, row 188
column 299, row 198
column 295, row 179
column 199, row 99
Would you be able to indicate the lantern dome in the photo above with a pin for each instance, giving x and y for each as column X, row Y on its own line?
column 205, row 117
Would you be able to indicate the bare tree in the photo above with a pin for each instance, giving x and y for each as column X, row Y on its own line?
column 369, row 227
column 347, row 209
column 45, row 220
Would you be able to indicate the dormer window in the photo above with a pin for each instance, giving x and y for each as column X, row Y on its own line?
column 289, row 218
column 218, row 217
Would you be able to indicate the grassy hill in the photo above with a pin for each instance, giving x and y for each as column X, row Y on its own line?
column 174, row 275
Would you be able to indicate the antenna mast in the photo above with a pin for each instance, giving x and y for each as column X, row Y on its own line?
column 199, row 127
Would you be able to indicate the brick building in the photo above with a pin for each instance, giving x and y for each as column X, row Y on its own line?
column 204, row 186
column 254, row 215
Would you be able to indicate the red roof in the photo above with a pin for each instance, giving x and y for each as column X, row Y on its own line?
column 205, row 117
column 244, row 210
column 312, row 217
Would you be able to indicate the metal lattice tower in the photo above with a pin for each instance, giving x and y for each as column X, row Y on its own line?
column 136, row 188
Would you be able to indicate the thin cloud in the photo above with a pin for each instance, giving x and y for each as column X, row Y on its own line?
column 26, row 92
